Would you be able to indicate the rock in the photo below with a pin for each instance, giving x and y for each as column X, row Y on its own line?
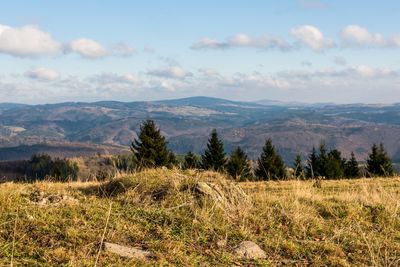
column 127, row 252
column 226, row 195
column 249, row 250
column 209, row 190
column 39, row 197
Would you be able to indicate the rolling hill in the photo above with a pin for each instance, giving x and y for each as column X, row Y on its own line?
column 293, row 127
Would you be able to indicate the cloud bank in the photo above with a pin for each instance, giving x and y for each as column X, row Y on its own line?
column 30, row 41
column 351, row 36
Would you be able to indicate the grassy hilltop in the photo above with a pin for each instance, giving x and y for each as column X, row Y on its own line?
column 343, row 223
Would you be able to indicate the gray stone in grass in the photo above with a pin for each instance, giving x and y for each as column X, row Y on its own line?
column 127, row 252
column 249, row 250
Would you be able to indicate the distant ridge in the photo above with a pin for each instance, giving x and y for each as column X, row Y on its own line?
column 195, row 100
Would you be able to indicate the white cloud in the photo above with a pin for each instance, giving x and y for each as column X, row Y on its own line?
column 258, row 80
column 242, row 40
column 355, row 73
column 112, row 77
column 111, row 86
column 355, row 35
column 123, row 50
column 312, row 37
column 208, row 43
column 308, row 35
column 88, row 48
column 44, row 74
column 208, row 72
column 27, row 41
column 133, row 79
column 173, row 72
column 395, row 41
column 168, row 85
column 370, row 72
column 304, row 85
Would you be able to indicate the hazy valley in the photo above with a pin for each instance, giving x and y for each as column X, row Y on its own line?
column 74, row 129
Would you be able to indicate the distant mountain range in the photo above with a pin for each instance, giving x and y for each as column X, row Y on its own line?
column 111, row 126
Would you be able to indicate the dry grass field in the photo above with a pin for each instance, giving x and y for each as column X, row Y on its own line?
column 343, row 223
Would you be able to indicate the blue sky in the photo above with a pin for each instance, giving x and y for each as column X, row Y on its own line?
column 299, row 50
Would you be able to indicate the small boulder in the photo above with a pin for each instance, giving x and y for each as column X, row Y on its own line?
column 41, row 198
column 249, row 250
column 127, row 252
column 210, row 190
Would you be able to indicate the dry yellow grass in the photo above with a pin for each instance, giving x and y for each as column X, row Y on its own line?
column 344, row 223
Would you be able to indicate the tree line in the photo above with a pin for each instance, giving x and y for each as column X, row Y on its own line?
column 41, row 167
column 150, row 150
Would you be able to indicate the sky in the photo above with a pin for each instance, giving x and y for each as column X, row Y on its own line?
column 342, row 51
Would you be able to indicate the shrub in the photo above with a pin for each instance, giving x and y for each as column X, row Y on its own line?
column 191, row 161
column 124, row 163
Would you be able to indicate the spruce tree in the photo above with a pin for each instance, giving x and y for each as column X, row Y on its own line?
column 334, row 165
column 172, row 160
column 214, row 156
column 322, row 167
column 373, row 165
column 351, row 169
column 238, row 165
column 312, row 164
column 298, row 167
column 191, row 161
column 378, row 162
column 150, row 149
column 270, row 165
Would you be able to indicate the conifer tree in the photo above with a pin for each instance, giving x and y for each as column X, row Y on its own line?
column 329, row 164
column 378, row 162
column 321, row 168
column 312, row 164
column 150, row 149
column 191, row 161
column 172, row 160
column 351, row 169
column 214, row 156
column 334, row 165
column 298, row 167
column 270, row 165
column 238, row 165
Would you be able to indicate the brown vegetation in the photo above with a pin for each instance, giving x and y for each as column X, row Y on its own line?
column 346, row 222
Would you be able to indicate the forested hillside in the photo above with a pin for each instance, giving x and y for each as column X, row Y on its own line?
column 186, row 123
